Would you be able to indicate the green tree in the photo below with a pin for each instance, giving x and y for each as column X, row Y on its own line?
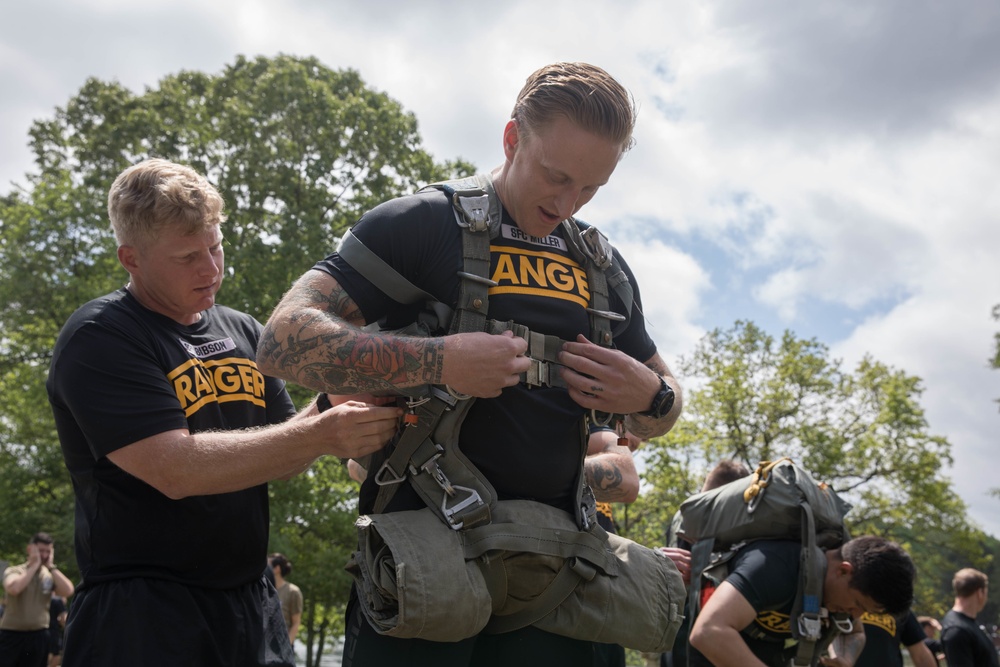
column 297, row 150
column 755, row 398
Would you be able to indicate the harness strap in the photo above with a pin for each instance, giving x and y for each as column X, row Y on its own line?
column 573, row 571
column 807, row 611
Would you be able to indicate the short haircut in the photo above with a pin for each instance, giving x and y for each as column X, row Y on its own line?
column 882, row 570
column 968, row 581
column 155, row 193
column 279, row 561
column 585, row 94
column 41, row 538
column 723, row 473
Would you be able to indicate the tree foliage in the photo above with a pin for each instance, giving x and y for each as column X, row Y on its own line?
column 755, row 398
column 297, row 150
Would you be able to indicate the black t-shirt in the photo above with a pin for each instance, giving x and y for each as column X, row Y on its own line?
column 883, row 637
column 121, row 373
column 527, row 441
column 965, row 643
column 766, row 573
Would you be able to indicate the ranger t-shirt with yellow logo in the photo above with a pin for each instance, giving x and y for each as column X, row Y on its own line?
column 527, row 441
column 121, row 373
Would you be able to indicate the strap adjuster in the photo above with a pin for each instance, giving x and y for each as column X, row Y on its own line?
column 810, row 626
column 473, row 498
column 597, row 247
column 472, row 207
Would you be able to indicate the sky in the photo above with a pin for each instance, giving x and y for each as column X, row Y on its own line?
column 829, row 167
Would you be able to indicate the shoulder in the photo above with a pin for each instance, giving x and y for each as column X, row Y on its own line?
column 762, row 561
column 408, row 207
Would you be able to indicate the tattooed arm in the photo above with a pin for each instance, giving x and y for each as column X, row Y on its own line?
column 313, row 338
column 610, row 470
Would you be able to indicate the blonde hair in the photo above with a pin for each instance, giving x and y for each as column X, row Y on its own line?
column 583, row 93
column 155, row 193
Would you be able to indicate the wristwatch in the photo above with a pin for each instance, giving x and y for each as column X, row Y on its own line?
column 662, row 401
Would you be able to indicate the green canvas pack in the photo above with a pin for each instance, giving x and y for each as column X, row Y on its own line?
column 530, row 565
column 780, row 500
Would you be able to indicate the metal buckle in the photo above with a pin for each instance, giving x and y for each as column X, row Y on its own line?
column 845, row 624
column 449, row 512
column 434, row 470
column 810, row 626
column 597, row 247
column 386, row 475
column 539, row 373
column 474, row 208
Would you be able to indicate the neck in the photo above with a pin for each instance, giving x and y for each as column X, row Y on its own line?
column 966, row 606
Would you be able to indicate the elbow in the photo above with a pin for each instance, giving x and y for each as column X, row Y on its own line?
column 630, row 491
column 697, row 638
column 267, row 352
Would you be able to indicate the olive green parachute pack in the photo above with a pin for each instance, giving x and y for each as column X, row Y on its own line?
column 779, row 500
column 468, row 562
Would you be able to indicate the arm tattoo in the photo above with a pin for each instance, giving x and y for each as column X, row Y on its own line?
column 318, row 344
column 604, row 479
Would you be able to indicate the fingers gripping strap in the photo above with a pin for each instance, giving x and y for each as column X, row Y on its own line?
column 543, row 350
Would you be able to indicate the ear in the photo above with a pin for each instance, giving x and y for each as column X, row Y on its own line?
column 128, row 257
column 510, row 139
column 845, row 569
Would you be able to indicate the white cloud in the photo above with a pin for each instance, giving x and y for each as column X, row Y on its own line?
column 840, row 154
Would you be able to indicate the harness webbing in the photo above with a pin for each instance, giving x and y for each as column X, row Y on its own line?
column 426, row 450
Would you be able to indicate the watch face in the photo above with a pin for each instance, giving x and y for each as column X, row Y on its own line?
column 664, row 400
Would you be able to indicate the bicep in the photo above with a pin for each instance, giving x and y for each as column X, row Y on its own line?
column 727, row 608
column 320, row 292
column 154, row 459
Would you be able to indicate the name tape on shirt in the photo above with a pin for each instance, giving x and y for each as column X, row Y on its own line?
column 515, row 234
column 210, row 348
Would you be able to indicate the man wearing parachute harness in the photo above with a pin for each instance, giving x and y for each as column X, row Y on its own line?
column 541, row 377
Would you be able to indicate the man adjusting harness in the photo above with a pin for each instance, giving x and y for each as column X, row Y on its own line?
column 535, row 378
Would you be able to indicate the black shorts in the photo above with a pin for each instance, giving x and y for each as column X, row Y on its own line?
column 527, row 647
column 24, row 648
column 156, row 623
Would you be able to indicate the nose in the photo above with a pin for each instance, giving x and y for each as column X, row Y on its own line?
column 208, row 266
column 567, row 202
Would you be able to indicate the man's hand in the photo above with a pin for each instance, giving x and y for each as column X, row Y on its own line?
column 482, row 364
column 358, row 429
column 607, row 380
column 34, row 556
column 681, row 558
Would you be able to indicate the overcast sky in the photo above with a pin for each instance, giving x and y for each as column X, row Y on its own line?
column 828, row 167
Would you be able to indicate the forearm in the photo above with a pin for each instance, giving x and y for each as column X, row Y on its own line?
column 612, row 476
column 180, row 464
column 724, row 647
column 645, row 427
column 61, row 585
column 313, row 338
column 16, row 583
